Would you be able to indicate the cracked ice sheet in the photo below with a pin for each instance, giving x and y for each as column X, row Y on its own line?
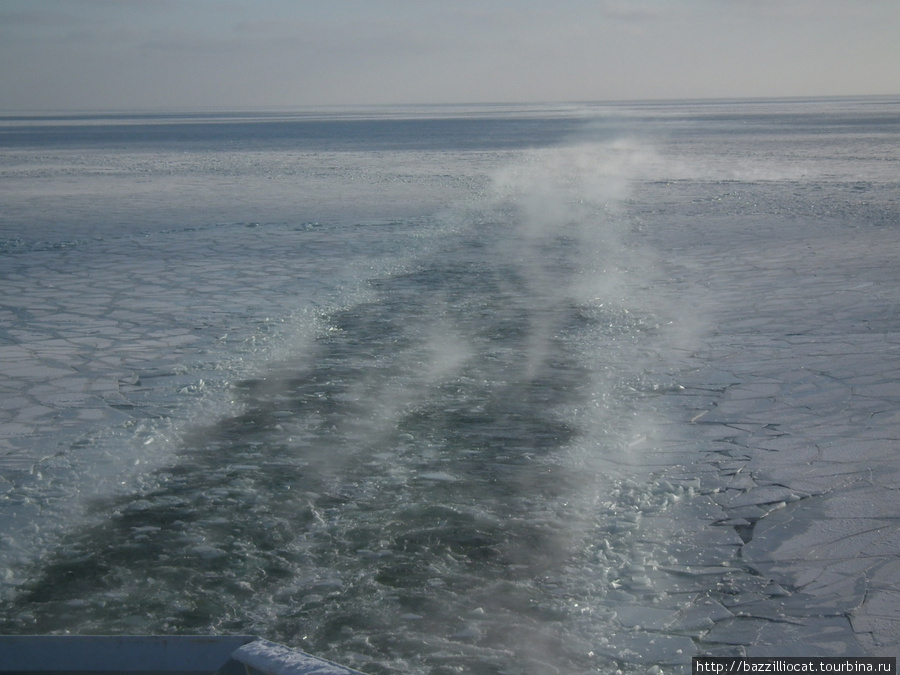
column 88, row 320
column 102, row 340
column 794, row 404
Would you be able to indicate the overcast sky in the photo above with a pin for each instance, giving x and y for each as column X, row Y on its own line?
column 155, row 54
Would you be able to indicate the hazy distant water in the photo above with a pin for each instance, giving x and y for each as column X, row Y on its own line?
column 399, row 429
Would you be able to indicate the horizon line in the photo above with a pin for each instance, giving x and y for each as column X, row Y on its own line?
column 387, row 107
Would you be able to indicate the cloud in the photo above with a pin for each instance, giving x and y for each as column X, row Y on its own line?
column 794, row 10
column 636, row 10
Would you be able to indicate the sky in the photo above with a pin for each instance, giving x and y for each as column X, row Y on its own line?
column 261, row 54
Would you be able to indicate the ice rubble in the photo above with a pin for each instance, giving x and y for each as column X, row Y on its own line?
column 790, row 404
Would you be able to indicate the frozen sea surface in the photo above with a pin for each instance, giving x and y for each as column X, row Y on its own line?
column 526, row 390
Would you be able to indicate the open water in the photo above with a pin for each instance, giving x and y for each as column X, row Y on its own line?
column 375, row 382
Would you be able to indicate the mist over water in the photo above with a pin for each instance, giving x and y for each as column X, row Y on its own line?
column 424, row 473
